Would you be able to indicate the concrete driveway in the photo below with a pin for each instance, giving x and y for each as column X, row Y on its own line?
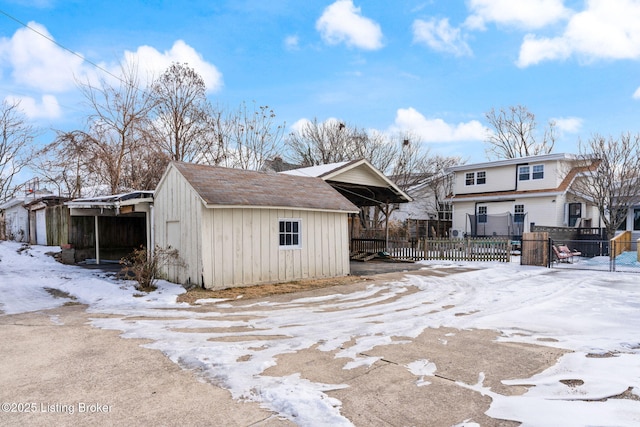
column 58, row 370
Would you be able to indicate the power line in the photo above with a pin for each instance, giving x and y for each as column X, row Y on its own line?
column 104, row 70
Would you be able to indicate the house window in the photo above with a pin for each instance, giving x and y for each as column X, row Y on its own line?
column 538, row 171
column 290, row 234
column 469, row 178
column 622, row 213
column 475, row 178
column 636, row 219
column 482, row 214
column 445, row 212
column 518, row 213
column 525, row 173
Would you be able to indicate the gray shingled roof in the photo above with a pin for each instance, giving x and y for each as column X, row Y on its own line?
column 238, row 187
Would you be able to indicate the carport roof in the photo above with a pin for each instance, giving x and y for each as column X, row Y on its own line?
column 358, row 180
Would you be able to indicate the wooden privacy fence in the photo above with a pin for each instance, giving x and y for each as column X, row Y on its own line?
column 621, row 243
column 468, row 249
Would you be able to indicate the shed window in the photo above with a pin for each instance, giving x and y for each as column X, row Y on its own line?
column 636, row 220
column 289, row 233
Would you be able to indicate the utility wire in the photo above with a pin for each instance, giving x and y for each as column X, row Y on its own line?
column 104, row 70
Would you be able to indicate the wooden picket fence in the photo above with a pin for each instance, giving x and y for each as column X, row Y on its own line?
column 468, row 249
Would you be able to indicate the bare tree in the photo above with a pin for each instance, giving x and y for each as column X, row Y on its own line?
column 117, row 137
column 65, row 164
column 15, row 137
column 331, row 141
column 377, row 147
column 410, row 162
column 514, row 134
column 182, row 113
column 612, row 183
column 248, row 137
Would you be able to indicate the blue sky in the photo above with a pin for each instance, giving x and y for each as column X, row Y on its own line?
column 430, row 67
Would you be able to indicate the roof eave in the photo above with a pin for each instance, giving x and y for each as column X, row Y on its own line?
column 294, row 208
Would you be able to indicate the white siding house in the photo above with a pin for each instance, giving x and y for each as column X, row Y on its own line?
column 632, row 224
column 236, row 227
column 505, row 197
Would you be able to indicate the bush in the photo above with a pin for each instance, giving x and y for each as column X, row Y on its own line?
column 146, row 269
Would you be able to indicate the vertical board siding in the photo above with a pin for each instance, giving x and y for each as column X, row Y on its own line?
column 244, row 247
column 175, row 200
column 226, row 247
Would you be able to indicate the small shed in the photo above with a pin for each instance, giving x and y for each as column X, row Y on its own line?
column 15, row 219
column 235, row 227
column 48, row 220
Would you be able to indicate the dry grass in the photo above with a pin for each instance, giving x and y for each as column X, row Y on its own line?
column 258, row 291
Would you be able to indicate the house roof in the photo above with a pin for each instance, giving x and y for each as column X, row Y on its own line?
column 516, row 161
column 367, row 188
column 219, row 186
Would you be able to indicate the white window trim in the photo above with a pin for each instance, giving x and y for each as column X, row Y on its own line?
column 475, row 178
column 299, row 245
column 530, row 173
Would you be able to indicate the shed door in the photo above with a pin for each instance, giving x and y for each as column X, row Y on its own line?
column 173, row 234
column 41, row 227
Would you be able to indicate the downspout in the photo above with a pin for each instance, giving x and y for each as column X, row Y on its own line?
column 151, row 237
column 97, row 241
column 518, row 168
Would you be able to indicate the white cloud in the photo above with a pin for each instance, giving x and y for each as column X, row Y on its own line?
column 636, row 94
column 568, row 124
column 292, row 42
column 48, row 108
column 38, row 63
column 522, row 13
column 341, row 22
column 151, row 63
column 606, row 29
column 533, row 50
column 34, row 62
column 441, row 36
column 437, row 130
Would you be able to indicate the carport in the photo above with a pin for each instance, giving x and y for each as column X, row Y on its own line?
column 111, row 226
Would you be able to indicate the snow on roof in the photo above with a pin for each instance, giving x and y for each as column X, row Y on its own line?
column 316, row 171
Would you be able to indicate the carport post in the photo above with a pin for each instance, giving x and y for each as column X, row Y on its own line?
column 97, row 241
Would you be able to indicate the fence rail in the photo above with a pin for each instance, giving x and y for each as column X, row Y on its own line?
column 469, row 249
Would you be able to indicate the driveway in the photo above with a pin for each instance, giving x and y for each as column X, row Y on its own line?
column 63, row 371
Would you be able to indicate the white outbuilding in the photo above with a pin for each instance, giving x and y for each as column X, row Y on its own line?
column 235, row 227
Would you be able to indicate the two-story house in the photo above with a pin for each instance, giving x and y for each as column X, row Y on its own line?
column 504, row 197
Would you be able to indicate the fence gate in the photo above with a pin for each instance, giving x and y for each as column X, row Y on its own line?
column 535, row 249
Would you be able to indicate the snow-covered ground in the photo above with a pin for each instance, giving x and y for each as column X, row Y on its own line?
column 589, row 312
